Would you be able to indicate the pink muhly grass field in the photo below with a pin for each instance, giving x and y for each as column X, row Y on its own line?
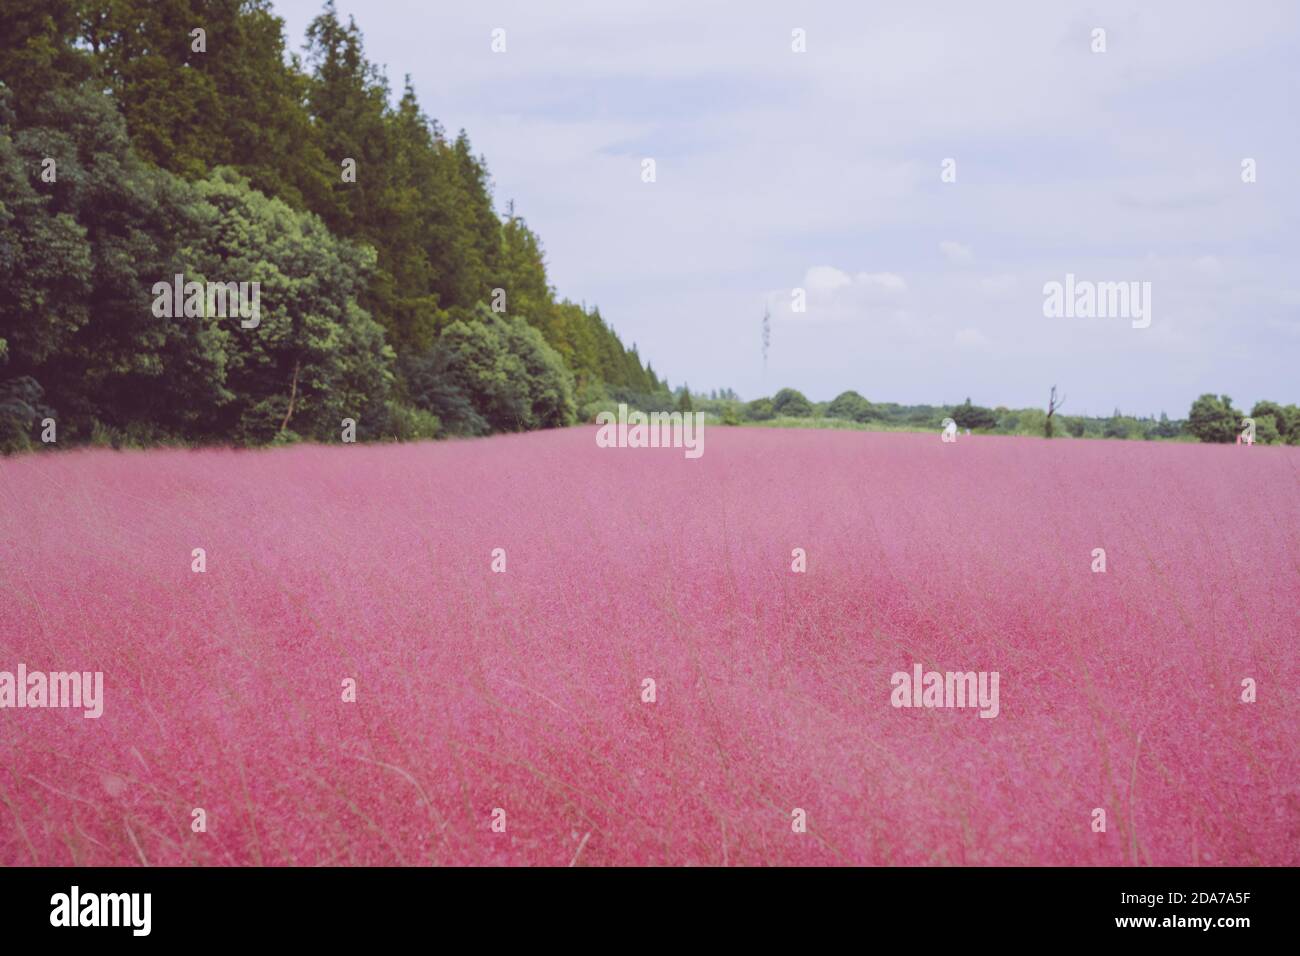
column 523, row 690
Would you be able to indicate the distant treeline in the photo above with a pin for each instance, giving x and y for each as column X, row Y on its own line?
column 142, row 139
column 1211, row 419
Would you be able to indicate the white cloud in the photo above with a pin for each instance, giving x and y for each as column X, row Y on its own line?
column 886, row 282
column 828, row 282
column 831, row 294
column 970, row 339
column 825, row 280
column 956, row 252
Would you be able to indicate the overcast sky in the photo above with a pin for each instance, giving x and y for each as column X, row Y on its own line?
column 820, row 170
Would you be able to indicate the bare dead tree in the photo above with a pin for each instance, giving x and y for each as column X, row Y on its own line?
column 1053, row 406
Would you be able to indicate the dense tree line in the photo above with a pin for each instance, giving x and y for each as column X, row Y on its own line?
column 1214, row 419
column 1211, row 419
column 133, row 149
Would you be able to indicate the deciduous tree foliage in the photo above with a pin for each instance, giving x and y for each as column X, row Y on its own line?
column 1276, row 423
column 76, row 308
column 974, row 416
column 315, row 357
column 510, row 375
column 849, row 405
column 791, row 402
column 1213, row 419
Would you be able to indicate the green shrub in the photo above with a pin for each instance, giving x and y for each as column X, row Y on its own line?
column 850, row 405
column 974, row 416
column 21, row 411
column 1213, row 419
column 791, row 402
column 405, row 423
